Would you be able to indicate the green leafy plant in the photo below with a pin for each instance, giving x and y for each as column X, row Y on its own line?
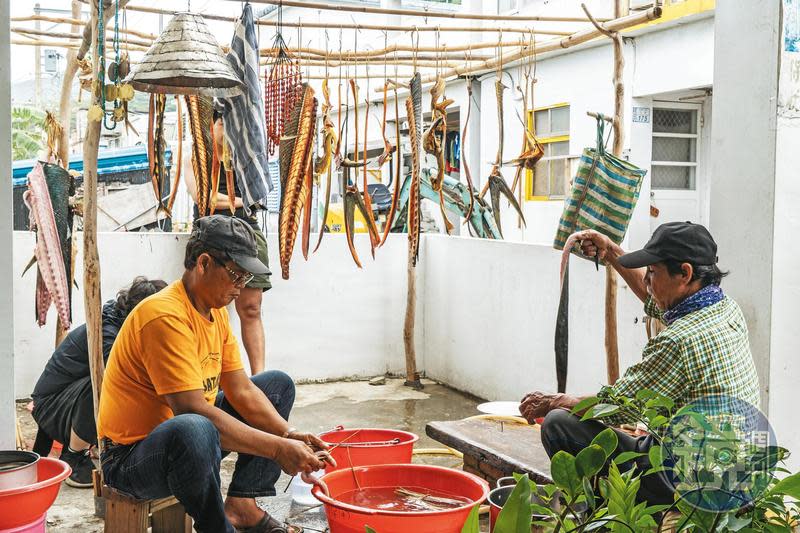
column 27, row 127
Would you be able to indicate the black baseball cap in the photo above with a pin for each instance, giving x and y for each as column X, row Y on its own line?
column 233, row 237
column 679, row 241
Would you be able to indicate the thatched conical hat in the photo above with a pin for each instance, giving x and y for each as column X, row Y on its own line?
column 185, row 59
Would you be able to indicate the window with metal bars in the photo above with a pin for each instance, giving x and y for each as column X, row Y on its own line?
column 675, row 147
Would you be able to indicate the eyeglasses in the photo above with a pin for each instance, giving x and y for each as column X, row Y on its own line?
column 239, row 279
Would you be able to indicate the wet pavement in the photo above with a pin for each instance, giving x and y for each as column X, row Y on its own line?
column 319, row 407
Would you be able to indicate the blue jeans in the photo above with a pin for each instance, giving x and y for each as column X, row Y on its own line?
column 181, row 457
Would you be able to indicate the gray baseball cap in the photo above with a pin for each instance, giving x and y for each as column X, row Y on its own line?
column 233, row 237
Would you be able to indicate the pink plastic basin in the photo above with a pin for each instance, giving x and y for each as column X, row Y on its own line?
column 23, row 506
column 365, row 446
column 37, row 526
column 348, row 518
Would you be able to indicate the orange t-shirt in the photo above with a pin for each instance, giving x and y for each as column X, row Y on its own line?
column 164, row 346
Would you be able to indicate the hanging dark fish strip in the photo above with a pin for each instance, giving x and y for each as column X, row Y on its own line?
column 200, row 111
column 561, row 342
column 398, row 167
column 464, row 164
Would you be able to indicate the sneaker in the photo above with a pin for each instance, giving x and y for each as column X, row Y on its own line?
column 82, row 466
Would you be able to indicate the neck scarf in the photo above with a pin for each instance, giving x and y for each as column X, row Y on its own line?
column 708, row 295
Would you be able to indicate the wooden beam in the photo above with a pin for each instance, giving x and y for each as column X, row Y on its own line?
column 351, row 8
column 368, row 27
column 611, row 336
column 75, row 21
column 72, row 36
column 575, row 39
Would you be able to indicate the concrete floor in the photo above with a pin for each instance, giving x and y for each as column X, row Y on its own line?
column 318, row 408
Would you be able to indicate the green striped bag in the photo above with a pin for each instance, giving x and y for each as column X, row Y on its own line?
column 603, row 195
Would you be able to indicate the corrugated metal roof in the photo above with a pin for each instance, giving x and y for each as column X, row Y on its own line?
column 108, row 162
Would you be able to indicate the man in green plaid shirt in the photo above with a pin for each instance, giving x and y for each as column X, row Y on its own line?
column 703, row 353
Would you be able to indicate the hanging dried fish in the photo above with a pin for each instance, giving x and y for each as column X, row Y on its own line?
column 178, row 163
column 280, row 91
column 388, row 149
column 464, row 164
column 498, row 94
column 323, row 164
column 215, row 170
column 155, row 148
column 296, row 149
column 434, row 139
column 497, row 186
column 372, row 227
column 352, row 199
column 398, row 168
column 200, row 111
column 51, row 282
column 414, row 112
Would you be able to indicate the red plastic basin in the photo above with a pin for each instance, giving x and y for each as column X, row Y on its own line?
column 365, row 446
column 348, row 518
column 24, row 505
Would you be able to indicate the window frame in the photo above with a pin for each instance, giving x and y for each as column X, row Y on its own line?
column 560, row 137
column 678, row 106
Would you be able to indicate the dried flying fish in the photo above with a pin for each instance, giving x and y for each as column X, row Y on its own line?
column 498, row 93
column 296, row 149
column 434, row 138
column 352, row 199
column 497, row 186
column 414, row 111
column 464, row 164
column 52, row 284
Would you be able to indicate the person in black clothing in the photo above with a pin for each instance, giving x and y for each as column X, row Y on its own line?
column 62, row 398
column 248, row 304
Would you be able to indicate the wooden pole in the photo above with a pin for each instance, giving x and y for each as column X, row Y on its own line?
column 611, row 337
column 72, row 36
column 76, row 23
column 412, row 12
column 412, row 377
column 375, row 27
column 551, row 45
column 92, row 300
column 65, row 118
column 393, row 49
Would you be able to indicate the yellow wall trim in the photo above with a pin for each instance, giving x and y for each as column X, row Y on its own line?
column 672, row 10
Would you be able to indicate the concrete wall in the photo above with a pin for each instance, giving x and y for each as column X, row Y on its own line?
column 743, row 180
column 490, row 311
column 329, row 321
column 6, row 259
column 784, row 371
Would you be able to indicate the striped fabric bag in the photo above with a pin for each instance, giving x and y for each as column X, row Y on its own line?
column 604, row 193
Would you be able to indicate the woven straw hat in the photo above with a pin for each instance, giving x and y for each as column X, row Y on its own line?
column 185, row 59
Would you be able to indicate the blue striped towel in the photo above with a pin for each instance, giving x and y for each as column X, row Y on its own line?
column 243, row 117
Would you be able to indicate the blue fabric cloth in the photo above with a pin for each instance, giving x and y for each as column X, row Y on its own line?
column 181, row 457
column 708, row 295
column 243, row 117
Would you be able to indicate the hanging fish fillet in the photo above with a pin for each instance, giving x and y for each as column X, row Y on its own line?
column 296, row 149
column 464, row 164
column 52, row 273
column 414, row 112
column 200, row 111
column 398, row 169
column 156, row 145
column 178, row 162
column 497, row 186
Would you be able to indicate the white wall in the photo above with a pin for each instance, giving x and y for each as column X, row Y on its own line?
column 657, row 60
column 7, row 413
column 490, row 311
column 328, row 321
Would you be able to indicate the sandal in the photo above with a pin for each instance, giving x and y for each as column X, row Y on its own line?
column 267, row 524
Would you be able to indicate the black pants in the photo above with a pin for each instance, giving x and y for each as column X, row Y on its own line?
column 70, row 409
column 562, row 430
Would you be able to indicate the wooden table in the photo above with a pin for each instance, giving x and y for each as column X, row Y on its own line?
column 495, row 449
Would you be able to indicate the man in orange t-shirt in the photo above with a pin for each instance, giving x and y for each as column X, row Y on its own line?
column 164, row 421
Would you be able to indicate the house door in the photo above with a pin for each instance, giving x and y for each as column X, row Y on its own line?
column 677, row 174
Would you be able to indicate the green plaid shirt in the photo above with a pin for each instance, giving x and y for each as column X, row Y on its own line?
column 704, row 353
